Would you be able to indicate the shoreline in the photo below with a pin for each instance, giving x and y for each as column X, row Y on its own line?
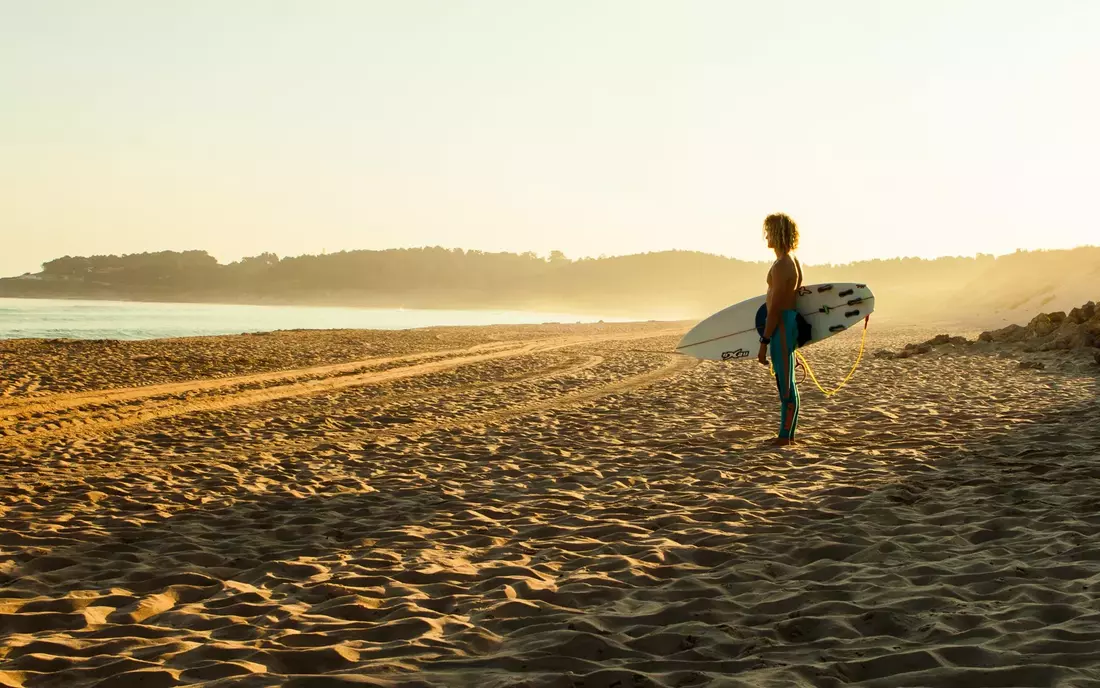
column 890, row 322
column 128, row 327
column 355, row 304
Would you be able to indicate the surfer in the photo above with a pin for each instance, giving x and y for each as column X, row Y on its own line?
column 781, row 329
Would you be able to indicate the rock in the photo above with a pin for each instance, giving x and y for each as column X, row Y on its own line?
column 1057, row 331
column 1082, row 314
column 1092, row 327
column 1080, row 339
column 924, row 347
column 941, row 339
column 1072, row 335
column 1041, row 325
column 911, row 350
column 1012, row 333
column 1032, row 365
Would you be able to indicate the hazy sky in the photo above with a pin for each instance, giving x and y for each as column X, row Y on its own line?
column 595, row 127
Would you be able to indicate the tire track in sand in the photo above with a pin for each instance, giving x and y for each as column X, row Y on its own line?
column 70, row 426
column 14, row 406
column 353, row 439
column 677, row 365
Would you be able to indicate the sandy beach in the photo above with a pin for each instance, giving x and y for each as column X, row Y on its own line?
column 543, row 506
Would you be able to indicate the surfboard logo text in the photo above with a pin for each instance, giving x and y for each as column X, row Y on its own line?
column 740, row 353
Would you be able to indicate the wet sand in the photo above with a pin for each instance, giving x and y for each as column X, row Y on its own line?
column 542, row 506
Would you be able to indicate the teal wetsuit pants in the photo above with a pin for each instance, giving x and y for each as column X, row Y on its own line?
column 783, row 343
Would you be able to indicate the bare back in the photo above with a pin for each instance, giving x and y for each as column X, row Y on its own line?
column 784, row 281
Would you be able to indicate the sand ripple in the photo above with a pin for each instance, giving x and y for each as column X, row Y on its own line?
column 596, row 514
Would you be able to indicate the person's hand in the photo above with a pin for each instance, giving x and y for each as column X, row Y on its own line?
column 763, row 355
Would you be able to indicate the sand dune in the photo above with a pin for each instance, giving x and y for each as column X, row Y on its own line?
column 554, row 506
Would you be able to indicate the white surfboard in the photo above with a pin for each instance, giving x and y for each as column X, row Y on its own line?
column 731, row 334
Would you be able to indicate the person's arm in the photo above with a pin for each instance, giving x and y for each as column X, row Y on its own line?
column 781, row 279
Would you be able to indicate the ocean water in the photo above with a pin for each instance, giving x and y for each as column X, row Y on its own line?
column 79, row 319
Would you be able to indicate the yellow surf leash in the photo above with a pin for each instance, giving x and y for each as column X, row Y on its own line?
column 806, row 365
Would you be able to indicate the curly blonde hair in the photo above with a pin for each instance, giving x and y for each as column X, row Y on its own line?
column 781, row 231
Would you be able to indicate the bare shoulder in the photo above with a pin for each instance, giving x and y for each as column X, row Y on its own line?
column 786, row 268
